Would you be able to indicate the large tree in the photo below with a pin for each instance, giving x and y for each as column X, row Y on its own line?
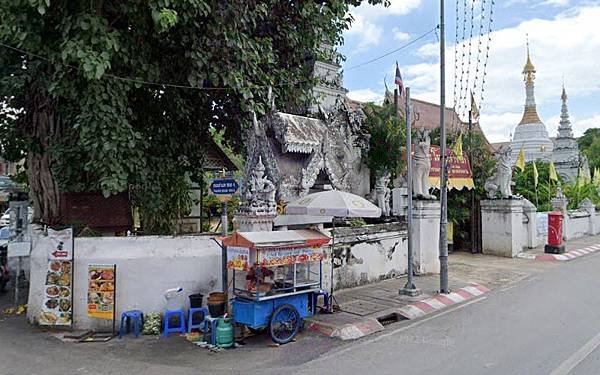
column 107, row 94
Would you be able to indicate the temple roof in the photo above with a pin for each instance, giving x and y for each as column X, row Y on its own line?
column 298, row 133
column 429, row 117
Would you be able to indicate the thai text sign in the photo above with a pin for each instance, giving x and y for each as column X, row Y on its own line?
column 61, row 244
column 237, row 257
column 288, row 255
column 101, row 291
column 459, row 172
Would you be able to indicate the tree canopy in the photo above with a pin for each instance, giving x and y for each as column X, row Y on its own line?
column 107, row 95
column 589, row 144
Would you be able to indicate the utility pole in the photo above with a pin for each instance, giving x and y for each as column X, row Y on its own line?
column 443, row 168
column 473, row 240
column 409, row 289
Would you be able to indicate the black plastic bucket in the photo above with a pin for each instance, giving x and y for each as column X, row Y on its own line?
column 196, row 300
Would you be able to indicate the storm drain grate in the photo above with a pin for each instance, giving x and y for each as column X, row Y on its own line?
column 389, row 319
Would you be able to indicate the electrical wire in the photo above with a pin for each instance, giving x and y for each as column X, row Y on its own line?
column 395, row 50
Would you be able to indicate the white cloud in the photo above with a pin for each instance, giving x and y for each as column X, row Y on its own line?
column 365, row 29
column 581, row 125
column 400, row 35
column 567, row 45
column 366, row 95
column 558, row 3
column 368, row 33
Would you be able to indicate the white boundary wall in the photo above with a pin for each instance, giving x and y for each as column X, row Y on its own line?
column 146, row 267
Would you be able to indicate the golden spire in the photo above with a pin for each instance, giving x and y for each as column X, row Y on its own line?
column 529, row 69
column 530, row 115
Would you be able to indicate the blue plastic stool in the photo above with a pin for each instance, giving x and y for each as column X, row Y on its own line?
column 135, row 316
column 180, row 314
column 193, row 311
column 210, row 322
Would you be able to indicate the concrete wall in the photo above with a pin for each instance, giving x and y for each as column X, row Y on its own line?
column 366, row 254
column 577, row 224
column 146, row 267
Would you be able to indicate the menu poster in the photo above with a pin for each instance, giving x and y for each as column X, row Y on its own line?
column 57, row 305
column 101, row 291
column 237, row 257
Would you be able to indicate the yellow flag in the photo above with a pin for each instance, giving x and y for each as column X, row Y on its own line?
column 596, row 176
column 535, row 175
column 552, row 171
column 579, row 178
column 587, row 178
column 457, row 148
column 521, row 160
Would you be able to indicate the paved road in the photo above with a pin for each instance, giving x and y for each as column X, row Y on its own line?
column 549, row 324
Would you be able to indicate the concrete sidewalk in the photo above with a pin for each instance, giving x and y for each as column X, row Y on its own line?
column 573, row 249
column 367, row 309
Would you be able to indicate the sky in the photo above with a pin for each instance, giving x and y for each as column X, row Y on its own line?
column 564, row 44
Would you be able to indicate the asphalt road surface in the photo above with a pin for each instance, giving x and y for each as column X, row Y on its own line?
column 548, row 324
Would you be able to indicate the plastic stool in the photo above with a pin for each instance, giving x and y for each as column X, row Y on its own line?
column 210, row 322
column 175, row 329
column 126, row 318
column 325, row 300
column 191, row 312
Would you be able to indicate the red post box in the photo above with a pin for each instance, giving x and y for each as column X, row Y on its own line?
column 555, row 234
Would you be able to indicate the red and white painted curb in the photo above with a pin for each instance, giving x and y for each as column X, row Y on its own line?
column 441, row 301
column 569, row 255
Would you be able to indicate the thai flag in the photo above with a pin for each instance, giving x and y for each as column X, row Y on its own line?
column 398, row 80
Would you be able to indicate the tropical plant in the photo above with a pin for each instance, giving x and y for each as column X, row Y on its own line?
column 103, row 95
column 387, row 144
column 578, row 190
column 541, row 195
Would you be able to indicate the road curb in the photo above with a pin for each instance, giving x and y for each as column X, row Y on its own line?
column 564, row 257
column 348, row 331
column 441, row 301
column 370, row 325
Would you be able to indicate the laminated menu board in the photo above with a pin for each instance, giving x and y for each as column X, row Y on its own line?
column 57, row 305
column 101, row 291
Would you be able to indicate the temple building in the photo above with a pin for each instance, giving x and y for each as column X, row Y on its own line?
column 531, row 134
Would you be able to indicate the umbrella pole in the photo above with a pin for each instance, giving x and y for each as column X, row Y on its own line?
column 331, row 298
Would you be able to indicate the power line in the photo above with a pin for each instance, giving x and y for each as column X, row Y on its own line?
column 394, row 51
column 143, row 82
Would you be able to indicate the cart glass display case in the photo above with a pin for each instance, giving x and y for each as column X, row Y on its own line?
column 277, row 278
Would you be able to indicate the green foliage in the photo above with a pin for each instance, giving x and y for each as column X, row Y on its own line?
column 525, row 185
column 589, row 144
column 81, row 80
column 578, row 191
column 388, row 139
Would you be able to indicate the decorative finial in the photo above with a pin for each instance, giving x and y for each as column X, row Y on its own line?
column 529, row 69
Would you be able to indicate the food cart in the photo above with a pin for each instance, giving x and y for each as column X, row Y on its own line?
column 276, row 279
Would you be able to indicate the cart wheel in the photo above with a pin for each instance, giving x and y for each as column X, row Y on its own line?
column 285, row 323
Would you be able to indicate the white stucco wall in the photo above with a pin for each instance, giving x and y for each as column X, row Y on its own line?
column 146, row 267
column 376, row 257
column 578, row 224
